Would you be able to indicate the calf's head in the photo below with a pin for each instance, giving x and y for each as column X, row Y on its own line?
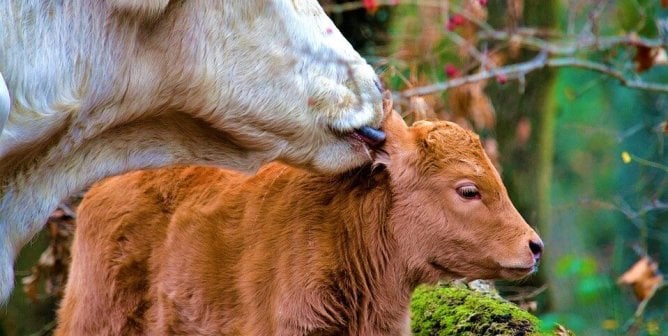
column 453, row 217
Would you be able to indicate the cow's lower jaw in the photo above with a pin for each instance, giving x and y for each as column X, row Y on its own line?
column 347, row 154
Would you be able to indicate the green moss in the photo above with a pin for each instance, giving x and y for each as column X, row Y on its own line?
column 445, row 310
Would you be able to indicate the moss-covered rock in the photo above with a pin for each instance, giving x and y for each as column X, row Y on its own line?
column 445, row 310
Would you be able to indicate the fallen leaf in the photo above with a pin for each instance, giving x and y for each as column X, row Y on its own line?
column 643, row 276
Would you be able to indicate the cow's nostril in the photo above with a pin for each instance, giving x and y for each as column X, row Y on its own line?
column 536, row 248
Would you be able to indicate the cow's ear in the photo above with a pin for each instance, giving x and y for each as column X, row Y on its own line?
column 145, row 9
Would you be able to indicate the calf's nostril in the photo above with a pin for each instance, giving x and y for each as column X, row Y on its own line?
column 536, row 248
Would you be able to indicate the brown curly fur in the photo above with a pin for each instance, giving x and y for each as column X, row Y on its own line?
column 205, row 251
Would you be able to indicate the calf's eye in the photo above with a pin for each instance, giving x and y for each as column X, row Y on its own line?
column 469, row 192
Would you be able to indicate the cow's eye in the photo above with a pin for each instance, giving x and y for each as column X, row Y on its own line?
column 469, row 192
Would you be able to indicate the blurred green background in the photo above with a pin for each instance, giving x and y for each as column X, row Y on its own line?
column 560, row 134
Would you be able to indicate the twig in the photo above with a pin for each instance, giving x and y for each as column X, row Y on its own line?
column 539, row 62
column 568, row 48
column 527, row 295
column 598, row 67
column 47, row 329
column 649, row 163
column 640, row 310
column 355, row 5
column 510, row 71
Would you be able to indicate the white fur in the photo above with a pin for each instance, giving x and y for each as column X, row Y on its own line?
column 103, row 87
column 4, row 103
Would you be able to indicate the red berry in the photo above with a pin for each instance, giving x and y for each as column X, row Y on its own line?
column 483, row 2
column 457, row 19
column 370, row 5
column 451, row 71
column 501, row 79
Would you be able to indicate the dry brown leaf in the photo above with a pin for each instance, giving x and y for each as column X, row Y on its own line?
column 530, row 306
column 515, row 9
column 496, row 59
column 643, row 276
column 469, row 30
column 515, row 46
column 523, row 131
column 560, row 330
column 421, row 109
column 420, row 33
column 647, row 57
column 52, row 267
column 470, row 102
column 492, row 150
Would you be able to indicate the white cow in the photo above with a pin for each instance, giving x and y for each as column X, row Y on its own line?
column 4, row 103
column 103, row 87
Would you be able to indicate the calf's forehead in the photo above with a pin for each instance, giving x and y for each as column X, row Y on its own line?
column 458, row 152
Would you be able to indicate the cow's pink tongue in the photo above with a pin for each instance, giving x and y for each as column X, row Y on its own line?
column 370, row 135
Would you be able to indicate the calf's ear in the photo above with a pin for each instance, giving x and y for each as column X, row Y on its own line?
column 397, row 136
column 142, row 9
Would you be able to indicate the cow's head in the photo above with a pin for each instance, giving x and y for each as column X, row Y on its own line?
column 453, row 215
column 276, row 76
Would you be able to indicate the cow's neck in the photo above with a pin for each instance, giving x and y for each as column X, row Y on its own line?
column 35, row 182
column 376, row 296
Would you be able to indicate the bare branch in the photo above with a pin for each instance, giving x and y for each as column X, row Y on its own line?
column 598, row 67
column 510, row 71
column 517, row 70
column 569, row 48
column 640, row 310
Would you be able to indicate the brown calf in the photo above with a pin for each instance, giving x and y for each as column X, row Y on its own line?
column 205, row 251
